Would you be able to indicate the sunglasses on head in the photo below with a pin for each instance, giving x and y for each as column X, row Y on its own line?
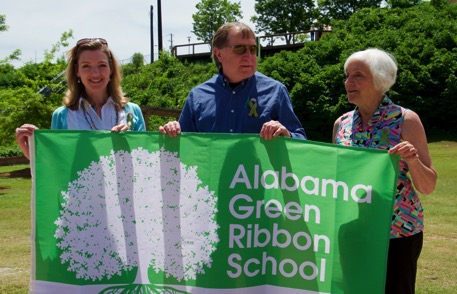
column 241, row 49
column 88, row 40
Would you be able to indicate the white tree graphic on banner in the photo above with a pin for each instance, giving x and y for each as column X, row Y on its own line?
column 137, row 210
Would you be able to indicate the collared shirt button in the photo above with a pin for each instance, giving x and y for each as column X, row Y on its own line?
column 232, row 111
column 231, row 130
column 233, row 92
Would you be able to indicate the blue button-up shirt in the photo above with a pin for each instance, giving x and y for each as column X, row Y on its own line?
column 214, row 107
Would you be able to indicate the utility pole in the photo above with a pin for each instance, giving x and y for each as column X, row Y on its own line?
column 151, row 17
column 171, row 42
column 160, row 37
column 188, row 47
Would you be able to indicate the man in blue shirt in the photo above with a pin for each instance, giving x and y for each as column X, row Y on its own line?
column 238, row 99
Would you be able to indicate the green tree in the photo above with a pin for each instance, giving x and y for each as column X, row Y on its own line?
column 440, row 3
column 343, row 9
column 134, row 66
column 284, row 16
column 10, row 77
column 49, row 55
column 403, row 3
column 421, row 38
column 211, row 15
column 21, row 106
column 166, row 82
column 16, row 53
column 3, row 26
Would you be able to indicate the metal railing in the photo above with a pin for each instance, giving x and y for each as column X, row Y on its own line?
column 284, row 39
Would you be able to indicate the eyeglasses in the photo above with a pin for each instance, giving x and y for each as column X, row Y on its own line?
column 88, row 40
column 241, row 49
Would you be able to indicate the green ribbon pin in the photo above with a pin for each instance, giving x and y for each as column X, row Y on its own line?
column 384, row 136
column 253, row 107
column 129, row 120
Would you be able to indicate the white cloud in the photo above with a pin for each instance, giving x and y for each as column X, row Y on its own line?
column 34, row 26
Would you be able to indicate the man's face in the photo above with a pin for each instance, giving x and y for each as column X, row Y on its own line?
column 237, row 67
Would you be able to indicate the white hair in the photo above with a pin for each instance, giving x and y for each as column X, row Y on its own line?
column 381, row 65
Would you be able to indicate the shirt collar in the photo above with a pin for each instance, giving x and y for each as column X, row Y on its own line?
column 223, row 79
column 378, row 114
column 87, row 104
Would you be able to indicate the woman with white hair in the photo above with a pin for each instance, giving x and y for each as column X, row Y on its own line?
column 377, row 122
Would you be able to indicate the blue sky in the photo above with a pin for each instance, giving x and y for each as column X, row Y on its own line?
column 34, row 26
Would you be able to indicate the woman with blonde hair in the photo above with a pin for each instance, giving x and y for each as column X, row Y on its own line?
column 94, row 99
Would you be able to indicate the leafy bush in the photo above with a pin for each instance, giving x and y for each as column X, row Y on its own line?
column 22, row 106
column 10, row 151
column 166, row 82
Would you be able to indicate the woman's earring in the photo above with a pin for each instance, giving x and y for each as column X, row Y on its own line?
column 79, row 80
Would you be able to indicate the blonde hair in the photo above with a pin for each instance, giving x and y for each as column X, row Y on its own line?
column 76, row 89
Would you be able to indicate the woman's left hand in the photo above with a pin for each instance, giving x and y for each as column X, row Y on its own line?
column 406, row 150
column 414, row 150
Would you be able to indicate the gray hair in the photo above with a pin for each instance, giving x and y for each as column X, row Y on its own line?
column 381, row 65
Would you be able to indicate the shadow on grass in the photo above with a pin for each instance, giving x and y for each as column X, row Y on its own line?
column 434, row 136
column 22, row 173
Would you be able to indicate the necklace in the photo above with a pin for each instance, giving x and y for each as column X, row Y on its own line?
column 90, row 120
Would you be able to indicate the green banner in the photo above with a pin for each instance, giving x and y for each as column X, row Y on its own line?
column 140, row 212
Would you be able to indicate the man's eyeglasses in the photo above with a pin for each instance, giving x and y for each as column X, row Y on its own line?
column 88, row 40
column 241, row 49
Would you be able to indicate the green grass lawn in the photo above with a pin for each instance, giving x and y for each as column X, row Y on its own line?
column 437, row 265
column 14, row 230
column 438, row 261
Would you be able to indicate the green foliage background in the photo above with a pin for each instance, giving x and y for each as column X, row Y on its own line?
column 211, row 14
column 423, row 39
